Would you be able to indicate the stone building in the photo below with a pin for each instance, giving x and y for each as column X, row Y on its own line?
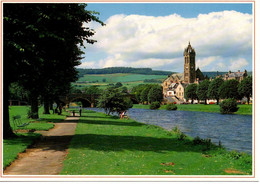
column 175, row 84
column 234, row 75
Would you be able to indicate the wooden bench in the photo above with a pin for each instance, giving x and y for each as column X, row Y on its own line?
column 17, row 122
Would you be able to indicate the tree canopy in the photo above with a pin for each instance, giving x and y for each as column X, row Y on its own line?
column 213, row 90
column 190, row 92
column 42, row 46
column 114, row 100
column 245, row 88
column 202, row 90
column 229, row 89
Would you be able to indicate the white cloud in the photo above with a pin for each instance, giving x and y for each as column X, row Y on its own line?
column 238, row 64
column 157, row 41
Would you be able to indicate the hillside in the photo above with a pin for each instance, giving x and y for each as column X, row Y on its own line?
column 127, row 79
column 113, row 70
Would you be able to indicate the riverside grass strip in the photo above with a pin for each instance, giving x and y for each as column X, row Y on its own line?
column 243, row 109
column 106, row 145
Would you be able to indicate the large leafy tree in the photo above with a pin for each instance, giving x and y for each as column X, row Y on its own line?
column 41, row 48
column 114, row 100
column 155, row 94
column 190, row 92
column 229, row 89
column 213, row 91
column 245, row 88
column 202, row 90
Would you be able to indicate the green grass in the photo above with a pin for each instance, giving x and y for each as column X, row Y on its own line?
column 106, row 145
column 13, row 146
column 128, row 80
column 16, row 145
column 243, row 109
column 119, row 77
column 45, row 121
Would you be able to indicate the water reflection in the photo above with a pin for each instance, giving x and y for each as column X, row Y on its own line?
column 234, row 131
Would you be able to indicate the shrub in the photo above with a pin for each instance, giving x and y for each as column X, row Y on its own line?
column 171, row 107
column 181, row 136
column 155, row 105
column 228, row 106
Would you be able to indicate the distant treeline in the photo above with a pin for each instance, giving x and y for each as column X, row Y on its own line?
column 215, row 74
column 111, row 70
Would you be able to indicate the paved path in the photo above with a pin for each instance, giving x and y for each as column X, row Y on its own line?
column 45, row 157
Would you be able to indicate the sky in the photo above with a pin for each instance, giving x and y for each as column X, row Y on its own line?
column 154, row 35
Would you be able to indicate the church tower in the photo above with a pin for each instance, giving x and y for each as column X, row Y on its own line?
column 189, row 64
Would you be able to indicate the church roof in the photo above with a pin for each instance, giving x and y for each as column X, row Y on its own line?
column 179, row 75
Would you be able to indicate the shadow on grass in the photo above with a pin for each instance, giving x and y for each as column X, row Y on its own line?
column 110, row 122
column 139, row 143
column 22, row 138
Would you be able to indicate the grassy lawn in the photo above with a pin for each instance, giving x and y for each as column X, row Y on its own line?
column 13, row 146
column 119, row 77
column 243, row 109
column 106, row 145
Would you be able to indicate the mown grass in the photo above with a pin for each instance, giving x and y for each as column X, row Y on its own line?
column 106, row 145
column 243, row 109
column 45, row 121
column 15, row 145
column 119, row 77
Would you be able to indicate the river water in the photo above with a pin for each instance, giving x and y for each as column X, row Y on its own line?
column 234, row 131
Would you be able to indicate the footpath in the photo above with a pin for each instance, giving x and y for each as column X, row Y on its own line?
column 46, row 156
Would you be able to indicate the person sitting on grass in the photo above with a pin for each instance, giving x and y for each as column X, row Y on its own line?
column 124, row 115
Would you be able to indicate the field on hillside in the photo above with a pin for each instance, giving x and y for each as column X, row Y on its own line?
column 128, row 80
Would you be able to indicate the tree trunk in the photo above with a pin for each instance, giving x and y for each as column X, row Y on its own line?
column 46, row 106
column 205, row 101
column 7, row 130
column 34, row 107
column 51, row 105
column 248, row 99
column 191, row 101
column 217, row 101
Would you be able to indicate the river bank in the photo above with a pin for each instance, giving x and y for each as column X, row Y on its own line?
column 243, row 109
column 107, row 145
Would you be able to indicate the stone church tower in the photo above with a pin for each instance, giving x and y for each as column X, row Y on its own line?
column 189, row 64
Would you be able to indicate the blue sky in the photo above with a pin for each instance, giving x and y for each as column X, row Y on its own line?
column 186, row 10
column 155, row 34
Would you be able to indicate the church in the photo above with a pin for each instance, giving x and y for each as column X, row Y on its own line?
column 174, row 85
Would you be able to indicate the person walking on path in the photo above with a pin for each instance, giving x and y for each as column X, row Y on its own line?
column 80, row 110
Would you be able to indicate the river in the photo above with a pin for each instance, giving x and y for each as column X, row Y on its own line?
column 234, row 131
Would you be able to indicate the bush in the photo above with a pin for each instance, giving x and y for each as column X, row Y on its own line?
column 228, row 106
column 171, row 107
column 155, row 105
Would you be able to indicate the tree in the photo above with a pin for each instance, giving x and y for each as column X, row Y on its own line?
column 144, row 94
column 155, row 94
column 190, row 92
column 202, row 90
column 137, row 90
column 41, row 47
column 245, row 88
column 118, row 85
column 92, row 90
column 213, row 90
column 229, row 89
column 114, row 100
column 228, row 106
